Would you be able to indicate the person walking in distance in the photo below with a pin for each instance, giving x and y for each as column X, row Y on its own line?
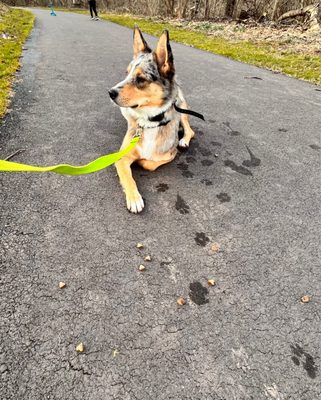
column 93, row 9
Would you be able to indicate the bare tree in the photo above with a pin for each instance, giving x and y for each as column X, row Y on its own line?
column 195, row 9
column 181, row 8
column 230, row 8
column 275, row 9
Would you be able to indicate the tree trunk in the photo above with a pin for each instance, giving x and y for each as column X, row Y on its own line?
column 230, row 7
column 169, row 7
column 207, row 9
column 275, row 9
column 296, row 13
column 195, row 8
column 181, row 9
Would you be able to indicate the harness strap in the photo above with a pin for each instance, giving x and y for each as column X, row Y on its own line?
column 190, row 112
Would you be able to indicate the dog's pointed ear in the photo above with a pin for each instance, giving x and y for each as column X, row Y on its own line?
column 140, row 45
column 164, row 56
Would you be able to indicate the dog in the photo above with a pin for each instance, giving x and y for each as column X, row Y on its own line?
column 148, row 99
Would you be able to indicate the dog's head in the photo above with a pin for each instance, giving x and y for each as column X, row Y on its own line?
column 150, row 75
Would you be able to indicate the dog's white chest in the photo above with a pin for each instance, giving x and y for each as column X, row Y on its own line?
column 148, row 146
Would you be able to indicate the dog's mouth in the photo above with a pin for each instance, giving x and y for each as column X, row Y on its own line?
column 123, row 105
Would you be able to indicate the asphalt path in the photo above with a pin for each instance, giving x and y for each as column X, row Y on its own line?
column 241, row 206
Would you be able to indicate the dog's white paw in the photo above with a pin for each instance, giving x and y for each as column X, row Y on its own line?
column 135, row 202
column 183, row 143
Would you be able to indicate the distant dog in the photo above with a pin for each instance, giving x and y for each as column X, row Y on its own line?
column 148, row 98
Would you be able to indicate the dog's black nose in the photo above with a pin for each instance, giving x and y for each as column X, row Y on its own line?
column 113, row 93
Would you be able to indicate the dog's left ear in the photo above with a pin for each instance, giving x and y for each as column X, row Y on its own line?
column 140, row 45
column 164, row 56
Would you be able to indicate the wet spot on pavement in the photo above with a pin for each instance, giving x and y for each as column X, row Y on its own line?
column 309, row 366
column 182, row 166
column 315, row 146
column 307, row 360
column 162, row 187
column 253, row 162
column 295, row 360
column 207, row 182
column 192, row 150
column 187, row 174
column 190, row 159
column 181, row 206
column 223, row 197
column 231, row 131
column 237, row 168
column 253, row 77
column 163, row 263
column 198, row 293
column 204, row 151
column 206, row 163
column 201, row 239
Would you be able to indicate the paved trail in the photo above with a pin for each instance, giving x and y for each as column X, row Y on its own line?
column 250, row 182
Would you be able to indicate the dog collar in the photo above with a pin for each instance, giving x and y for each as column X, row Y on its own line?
column 162, row 123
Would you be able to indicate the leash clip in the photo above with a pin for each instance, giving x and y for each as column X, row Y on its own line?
column 138, row 132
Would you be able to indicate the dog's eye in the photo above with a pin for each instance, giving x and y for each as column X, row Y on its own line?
column 140, row 80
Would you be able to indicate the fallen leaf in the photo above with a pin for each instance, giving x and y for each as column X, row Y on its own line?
column 211, row 282
column 142, row 267
column 115, row 353
column 215, row 247
column 305, row 299
column 139, row 245
column 80, row 347
column 62, row 285
column 148, row 258
column 181, row 301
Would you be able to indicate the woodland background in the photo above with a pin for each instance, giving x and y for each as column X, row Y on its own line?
column 259, row 10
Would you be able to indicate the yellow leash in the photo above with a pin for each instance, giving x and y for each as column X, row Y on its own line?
column 66, row 169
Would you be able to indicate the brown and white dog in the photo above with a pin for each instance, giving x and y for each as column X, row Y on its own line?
column 147, row 98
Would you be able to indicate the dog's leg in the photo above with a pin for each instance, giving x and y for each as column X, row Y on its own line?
column 188, row 131
column 134, row 200
column 152, row 165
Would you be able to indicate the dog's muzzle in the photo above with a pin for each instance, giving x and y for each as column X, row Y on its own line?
column 113, row 93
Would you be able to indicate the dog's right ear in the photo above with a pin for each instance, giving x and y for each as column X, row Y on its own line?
column 164, row 56
column 140, row 45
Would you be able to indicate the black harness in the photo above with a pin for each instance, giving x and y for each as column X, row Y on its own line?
column 160, row 117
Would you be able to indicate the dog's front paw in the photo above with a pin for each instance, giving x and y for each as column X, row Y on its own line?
column 135, row 202
column 183, row 143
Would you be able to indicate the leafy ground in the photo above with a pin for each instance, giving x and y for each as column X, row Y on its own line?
column 289, row 50
column 15, row 26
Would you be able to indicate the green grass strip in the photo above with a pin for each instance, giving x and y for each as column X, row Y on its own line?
column 17, row 24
